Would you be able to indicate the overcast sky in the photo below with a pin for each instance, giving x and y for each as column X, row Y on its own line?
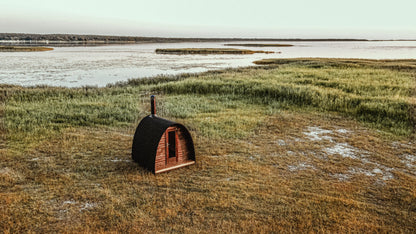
column 372, row 19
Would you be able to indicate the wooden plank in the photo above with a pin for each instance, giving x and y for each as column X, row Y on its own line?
column 175, row 167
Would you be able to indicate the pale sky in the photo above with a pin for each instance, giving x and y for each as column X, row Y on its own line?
column 371, row 19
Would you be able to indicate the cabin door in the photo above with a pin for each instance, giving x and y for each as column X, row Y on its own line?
column 171, row 147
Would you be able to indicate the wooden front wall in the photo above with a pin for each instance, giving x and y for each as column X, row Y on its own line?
column 182, row 151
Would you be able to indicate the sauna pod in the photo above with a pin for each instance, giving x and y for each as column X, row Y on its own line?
column 161, row 145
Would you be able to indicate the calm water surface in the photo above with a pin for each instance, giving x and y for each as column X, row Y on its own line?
column 102, row 65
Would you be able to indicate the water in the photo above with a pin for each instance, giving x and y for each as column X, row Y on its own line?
column 102, row 65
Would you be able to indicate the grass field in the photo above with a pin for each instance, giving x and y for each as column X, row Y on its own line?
column 299, row 145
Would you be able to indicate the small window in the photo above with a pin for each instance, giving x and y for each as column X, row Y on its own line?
column 172, row 144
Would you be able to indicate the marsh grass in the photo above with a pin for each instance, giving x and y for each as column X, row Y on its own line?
column 380, row 97
column 36, row 113
column 266, row 162
column 395, row 64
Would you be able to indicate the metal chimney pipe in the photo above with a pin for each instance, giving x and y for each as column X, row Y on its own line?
column 153, row 105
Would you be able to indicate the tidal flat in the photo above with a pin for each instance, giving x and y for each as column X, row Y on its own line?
column 305, row 145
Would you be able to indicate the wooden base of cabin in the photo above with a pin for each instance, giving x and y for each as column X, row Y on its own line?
column 175, row 167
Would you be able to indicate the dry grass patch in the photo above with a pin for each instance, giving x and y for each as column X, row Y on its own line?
column 280, row 177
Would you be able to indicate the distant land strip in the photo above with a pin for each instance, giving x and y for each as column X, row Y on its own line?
column 260, row 45
column 209, row 51
column 136, row 39
column 92, row 40
column 23, row 49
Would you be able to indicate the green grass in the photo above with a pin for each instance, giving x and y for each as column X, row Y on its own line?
column 380, row 94
column 65, row 108
column 37, row 113
column 380, row 97
column 301, row 145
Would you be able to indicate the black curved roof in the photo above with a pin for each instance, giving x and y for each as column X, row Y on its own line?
column 147, row 137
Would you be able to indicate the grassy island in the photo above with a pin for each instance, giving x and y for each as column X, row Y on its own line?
column 299, row 145
column 209, row 51
column 260, row 45
column 23, row 49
